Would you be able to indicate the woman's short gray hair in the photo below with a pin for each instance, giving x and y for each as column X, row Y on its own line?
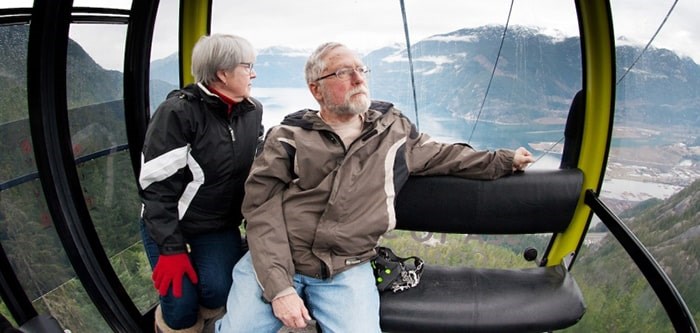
column 315, row 64
column 219, row 52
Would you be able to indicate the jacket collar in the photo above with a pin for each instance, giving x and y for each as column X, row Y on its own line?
column 216, row 102
column 308, row 119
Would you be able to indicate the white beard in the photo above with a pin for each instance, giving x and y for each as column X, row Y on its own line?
column 357, row 105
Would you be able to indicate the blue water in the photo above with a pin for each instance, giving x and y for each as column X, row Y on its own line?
column 492, row 136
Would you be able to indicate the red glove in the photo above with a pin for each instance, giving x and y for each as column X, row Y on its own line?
column 171, row 269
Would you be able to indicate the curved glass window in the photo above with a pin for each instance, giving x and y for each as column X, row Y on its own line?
column 651, row 180
column 524, row 102
column 462, row 93
column 164, row 75
column 98, row 135
column 494, row 75
column 27, row 232
column 41, row 264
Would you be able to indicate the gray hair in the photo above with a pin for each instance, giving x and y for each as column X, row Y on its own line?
column 218, row 52
column 315, row 64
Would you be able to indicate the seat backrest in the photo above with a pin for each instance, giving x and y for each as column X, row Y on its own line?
column 573, row 133
column 535, row 201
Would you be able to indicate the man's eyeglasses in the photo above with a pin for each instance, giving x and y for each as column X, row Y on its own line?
column 346, row 73
column 248, row 65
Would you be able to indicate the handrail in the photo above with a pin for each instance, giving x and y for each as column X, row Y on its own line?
column 78, row 161
column 667, row 293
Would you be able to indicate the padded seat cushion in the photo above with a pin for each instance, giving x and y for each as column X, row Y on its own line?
column 485, row 300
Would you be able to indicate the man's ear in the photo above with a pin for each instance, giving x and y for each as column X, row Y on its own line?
column 315, row 89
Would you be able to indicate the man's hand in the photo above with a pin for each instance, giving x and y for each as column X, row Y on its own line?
column 521, row 159
column 171, row 269
column 291, row 311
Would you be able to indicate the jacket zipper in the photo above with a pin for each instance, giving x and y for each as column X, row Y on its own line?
column 230, row 130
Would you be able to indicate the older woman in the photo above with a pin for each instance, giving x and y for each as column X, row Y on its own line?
column 198, row 150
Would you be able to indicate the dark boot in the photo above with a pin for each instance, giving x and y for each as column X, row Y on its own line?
column 210, row 316
column 162, row 327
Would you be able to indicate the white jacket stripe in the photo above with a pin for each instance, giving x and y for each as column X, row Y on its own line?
column 389, row 188
column 192, row 187
column 163, row 166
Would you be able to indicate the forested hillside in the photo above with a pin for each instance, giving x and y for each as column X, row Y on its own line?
column 617, row 295
column 87, row 82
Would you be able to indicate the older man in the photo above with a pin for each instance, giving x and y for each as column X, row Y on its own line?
column 321, row 193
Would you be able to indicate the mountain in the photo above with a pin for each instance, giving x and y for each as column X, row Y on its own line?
column 87, row 82
column 165, row 70
column 279, row 67
column 661, row 89
column 535, row 74
column 164, row 78
column 275, row 67
column 536, row 77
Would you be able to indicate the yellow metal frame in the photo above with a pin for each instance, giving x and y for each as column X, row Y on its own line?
column 195, row 22
column 595, row 22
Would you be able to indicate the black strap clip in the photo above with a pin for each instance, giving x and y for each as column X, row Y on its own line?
column 395, row 273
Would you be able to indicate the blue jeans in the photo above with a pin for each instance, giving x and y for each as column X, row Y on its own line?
column 347, row 302
column 213, row 256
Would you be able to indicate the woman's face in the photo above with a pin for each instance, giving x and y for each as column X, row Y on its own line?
column 237, row 81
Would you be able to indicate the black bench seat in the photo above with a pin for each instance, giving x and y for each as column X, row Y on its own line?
column 485, row 300
column 466, row 299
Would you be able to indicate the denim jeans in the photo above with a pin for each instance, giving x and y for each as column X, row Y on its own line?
column 347, row 302
column 213, row 256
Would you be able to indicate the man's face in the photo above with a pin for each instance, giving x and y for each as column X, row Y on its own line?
column 343, row 96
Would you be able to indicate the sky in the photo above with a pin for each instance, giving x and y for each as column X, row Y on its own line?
column 369, row 24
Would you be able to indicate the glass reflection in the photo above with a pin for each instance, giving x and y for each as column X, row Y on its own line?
column 112, row 198
column 39, row 261
column 98, row 136
column 538, row 73
column 165, row 73
column 652, row 171
column 27, row 232
column 526, row 104
column 649, row 162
